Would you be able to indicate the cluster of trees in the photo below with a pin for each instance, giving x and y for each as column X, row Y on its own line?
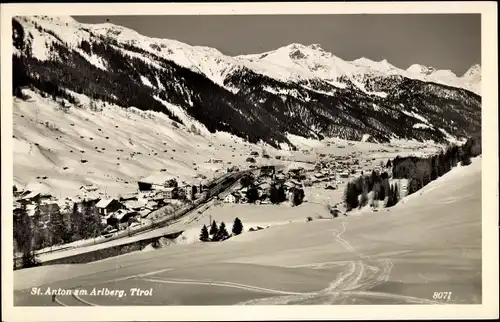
column 277, row 194
column 421, row 171
column 51, row 226
column 297, row 196
column 220, row 233
column 356, row 192
column 418, row 171
column 23, row 238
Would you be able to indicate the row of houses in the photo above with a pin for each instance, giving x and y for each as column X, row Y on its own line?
column 112, row 210
column 168, row 187
column 265, row 179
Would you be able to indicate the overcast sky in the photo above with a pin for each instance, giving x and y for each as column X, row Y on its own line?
column 443, row 41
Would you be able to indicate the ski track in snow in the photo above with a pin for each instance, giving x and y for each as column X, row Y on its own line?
column 355, row 280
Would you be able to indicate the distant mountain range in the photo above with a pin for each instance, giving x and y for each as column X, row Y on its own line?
column 297, row 89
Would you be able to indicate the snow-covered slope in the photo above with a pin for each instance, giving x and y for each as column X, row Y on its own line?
column 57, row 152
column 434, row 243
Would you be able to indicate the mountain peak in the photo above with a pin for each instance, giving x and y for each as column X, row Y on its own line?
column 473, row 70
column 420, row 69
column 316, row 47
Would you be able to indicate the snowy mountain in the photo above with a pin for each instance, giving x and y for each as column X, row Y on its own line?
column 471, row 80
column 294, row 90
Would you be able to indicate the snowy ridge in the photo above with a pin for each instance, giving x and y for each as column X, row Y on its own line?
column 297, row 89
column 292, row 63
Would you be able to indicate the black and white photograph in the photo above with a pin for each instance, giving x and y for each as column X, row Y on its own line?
column 345, row 160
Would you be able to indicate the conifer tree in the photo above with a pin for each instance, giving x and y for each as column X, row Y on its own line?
column 396, row 194
column 381, row 192
column 221, row 234
column 252, row 194
column 57, row 226
column 351, row 196
column 298, row 196
column 273, row 196
column 390, row 195
column 23, row 236
column 281, row 194
column 213, row 228
column 204, row 234
column 237, row 226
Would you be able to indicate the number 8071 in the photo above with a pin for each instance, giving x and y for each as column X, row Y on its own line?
column 441, row 296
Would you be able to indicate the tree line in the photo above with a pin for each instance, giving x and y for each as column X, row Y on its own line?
column 63, row 226
column 419, row 171
column 356, row 191
column 220, row 233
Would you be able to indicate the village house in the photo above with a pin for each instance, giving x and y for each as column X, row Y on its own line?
column 105, row 206
column 120, row 218
column 156, row 181
column 16, row 192
column 232, row 198
column 314, row 180
column 144, row 212
column 330, row 186
column 169, row 193
column 344, row 175
column 189, row 191
column 152, row 204
column 30, row 197
column 288, row 186
column 34, row 196
column 88, row 188
column 267, row 171
column 135, row 204
column 129, row 196
column 280, row 178
column 319, row 176
column 264, row 189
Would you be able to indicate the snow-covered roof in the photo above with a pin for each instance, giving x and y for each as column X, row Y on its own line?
column 30, row 210
column 144, row 213
column 133, row 204
column 156, row 178
column 119, row 214
column 103, row 203
column 129, row 195
column 91, row 195
column 265, row 186
column 89, row 187
column 31, row 195
column 152, row 204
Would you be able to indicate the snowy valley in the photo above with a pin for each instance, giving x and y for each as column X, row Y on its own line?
column 348, row 182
